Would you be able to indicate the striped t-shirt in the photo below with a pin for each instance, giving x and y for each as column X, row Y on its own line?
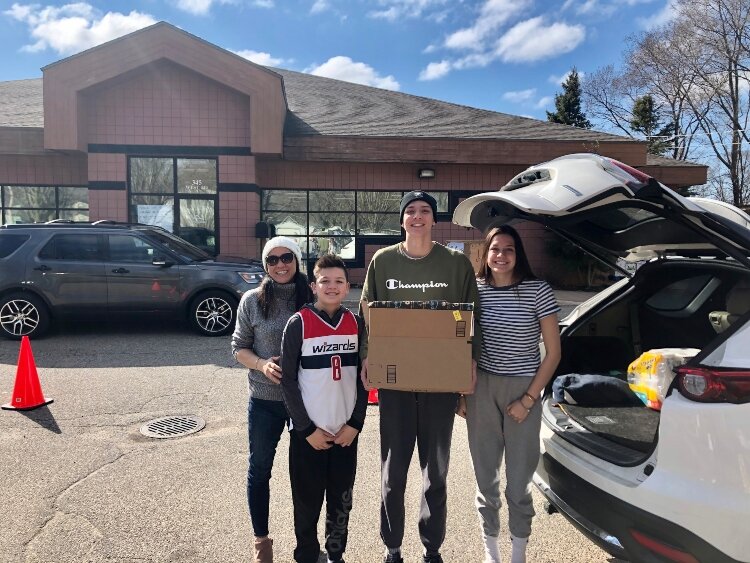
column 509, row 317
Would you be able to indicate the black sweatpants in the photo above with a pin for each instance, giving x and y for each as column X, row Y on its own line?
column 315, row 473
column 427, row 419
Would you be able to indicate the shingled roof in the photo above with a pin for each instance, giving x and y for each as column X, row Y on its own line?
column 21, row 103
column 324, row 106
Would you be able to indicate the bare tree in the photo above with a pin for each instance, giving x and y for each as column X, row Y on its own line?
column 718, row 54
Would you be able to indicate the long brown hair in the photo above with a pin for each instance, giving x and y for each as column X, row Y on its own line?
column 522, row 269
column 302, row 292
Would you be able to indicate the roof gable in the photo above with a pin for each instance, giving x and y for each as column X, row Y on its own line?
column 65, row 80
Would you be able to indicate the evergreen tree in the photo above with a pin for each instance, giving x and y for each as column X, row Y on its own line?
column 568, row 104
column 647, row 121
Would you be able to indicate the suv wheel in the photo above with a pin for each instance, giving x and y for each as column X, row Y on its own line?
column 212, row 313
column 23, row 314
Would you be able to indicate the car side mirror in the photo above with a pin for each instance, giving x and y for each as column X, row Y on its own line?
column 163, row 262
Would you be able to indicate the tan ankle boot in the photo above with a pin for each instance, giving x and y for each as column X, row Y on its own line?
column 263, row 550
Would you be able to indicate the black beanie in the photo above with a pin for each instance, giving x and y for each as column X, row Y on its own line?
column 417, row 195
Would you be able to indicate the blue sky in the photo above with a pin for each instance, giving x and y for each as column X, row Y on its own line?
column 501, row 55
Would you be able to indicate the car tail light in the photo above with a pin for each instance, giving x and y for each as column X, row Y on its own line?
column 667, row 551
column 714, row 385
column 637, row 178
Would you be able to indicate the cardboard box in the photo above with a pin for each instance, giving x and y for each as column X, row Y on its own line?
column 471, row 248
column 419, row 346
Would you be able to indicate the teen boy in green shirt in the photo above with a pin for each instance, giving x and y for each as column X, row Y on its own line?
column 418, row 269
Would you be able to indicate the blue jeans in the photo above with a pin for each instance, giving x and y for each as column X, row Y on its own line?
column 266, row 421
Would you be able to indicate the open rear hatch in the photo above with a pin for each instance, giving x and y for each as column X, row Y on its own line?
column 615, row 213
column 610, row 210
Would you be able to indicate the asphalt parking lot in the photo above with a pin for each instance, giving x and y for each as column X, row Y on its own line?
column 80, row 483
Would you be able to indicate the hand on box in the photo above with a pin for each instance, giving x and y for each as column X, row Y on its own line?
column 345, row 436
column 320, row 439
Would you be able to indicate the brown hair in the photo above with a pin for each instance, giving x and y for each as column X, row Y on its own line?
column 522, row 269
column 329, row 261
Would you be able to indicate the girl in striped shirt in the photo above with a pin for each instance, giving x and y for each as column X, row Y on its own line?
column 503, row 416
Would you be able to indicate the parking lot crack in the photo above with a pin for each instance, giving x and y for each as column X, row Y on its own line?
column 57, row 511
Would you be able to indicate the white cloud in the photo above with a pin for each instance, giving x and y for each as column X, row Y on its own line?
column 320, row 6
column 520, row 96
column 558, row 80
column 394, row 10
column 203, row 7
column 664, row 16
column 344, row 68
column 533, row 40
column 433, row 71
column 545, row 102
column 74, row 27
column 493, row 14
column 590, row 7
column 263, row 3
column 259, row 57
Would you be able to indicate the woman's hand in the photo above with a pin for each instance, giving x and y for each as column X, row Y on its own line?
column 271, row 369
column 517, row 411
column 320, row 439
column 461, row 407
column 345, row 436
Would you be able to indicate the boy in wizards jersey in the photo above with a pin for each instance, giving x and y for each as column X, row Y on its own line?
column 326, row 401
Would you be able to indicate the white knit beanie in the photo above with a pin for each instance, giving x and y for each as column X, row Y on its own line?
column 281, row 242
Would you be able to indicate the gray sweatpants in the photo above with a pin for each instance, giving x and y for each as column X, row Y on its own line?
column 427, row 419
column 492, row 433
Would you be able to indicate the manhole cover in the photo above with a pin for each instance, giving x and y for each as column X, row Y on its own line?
column 173, row 426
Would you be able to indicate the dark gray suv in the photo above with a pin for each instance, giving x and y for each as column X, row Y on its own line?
column 56, row 269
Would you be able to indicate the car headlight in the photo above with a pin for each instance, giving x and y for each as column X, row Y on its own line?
column 252, row 277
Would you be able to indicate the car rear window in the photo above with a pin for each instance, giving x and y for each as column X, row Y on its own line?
column 71, row 247
column 678, row 295
column 9, row 243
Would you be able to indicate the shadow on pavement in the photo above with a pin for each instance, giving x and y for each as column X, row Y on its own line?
column 43, row 417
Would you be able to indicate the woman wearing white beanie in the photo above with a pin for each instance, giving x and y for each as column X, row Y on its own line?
column 256, row 343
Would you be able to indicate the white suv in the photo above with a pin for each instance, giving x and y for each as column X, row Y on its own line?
column 644, row 484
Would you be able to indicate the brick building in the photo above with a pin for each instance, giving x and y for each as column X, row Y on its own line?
column 162, row 127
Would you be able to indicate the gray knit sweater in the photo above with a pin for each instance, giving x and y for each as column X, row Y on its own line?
column 263, row 336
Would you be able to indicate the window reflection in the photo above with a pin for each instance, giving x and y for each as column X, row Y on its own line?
column 325, row 200
column 285, row 200
column 151, row 175
column 331, row 220
column 196, row 176
column 39, row 204
column 383, row 202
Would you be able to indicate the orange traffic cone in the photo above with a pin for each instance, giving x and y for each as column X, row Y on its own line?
column 27, row 393
column 372, row 397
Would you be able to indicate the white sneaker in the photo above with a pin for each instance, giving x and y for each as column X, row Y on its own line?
column 518, row 549
column 491, row 549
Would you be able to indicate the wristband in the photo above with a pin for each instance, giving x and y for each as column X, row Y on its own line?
column 256, row 363
column 530, row 396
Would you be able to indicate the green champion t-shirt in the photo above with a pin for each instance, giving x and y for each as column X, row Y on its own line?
column 444, row 274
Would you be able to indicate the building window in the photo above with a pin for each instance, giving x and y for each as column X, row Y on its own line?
column 39, row 204
column 328, row 221
column 177, row 194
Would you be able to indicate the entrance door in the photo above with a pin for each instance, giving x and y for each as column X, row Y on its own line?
column 178, row 194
